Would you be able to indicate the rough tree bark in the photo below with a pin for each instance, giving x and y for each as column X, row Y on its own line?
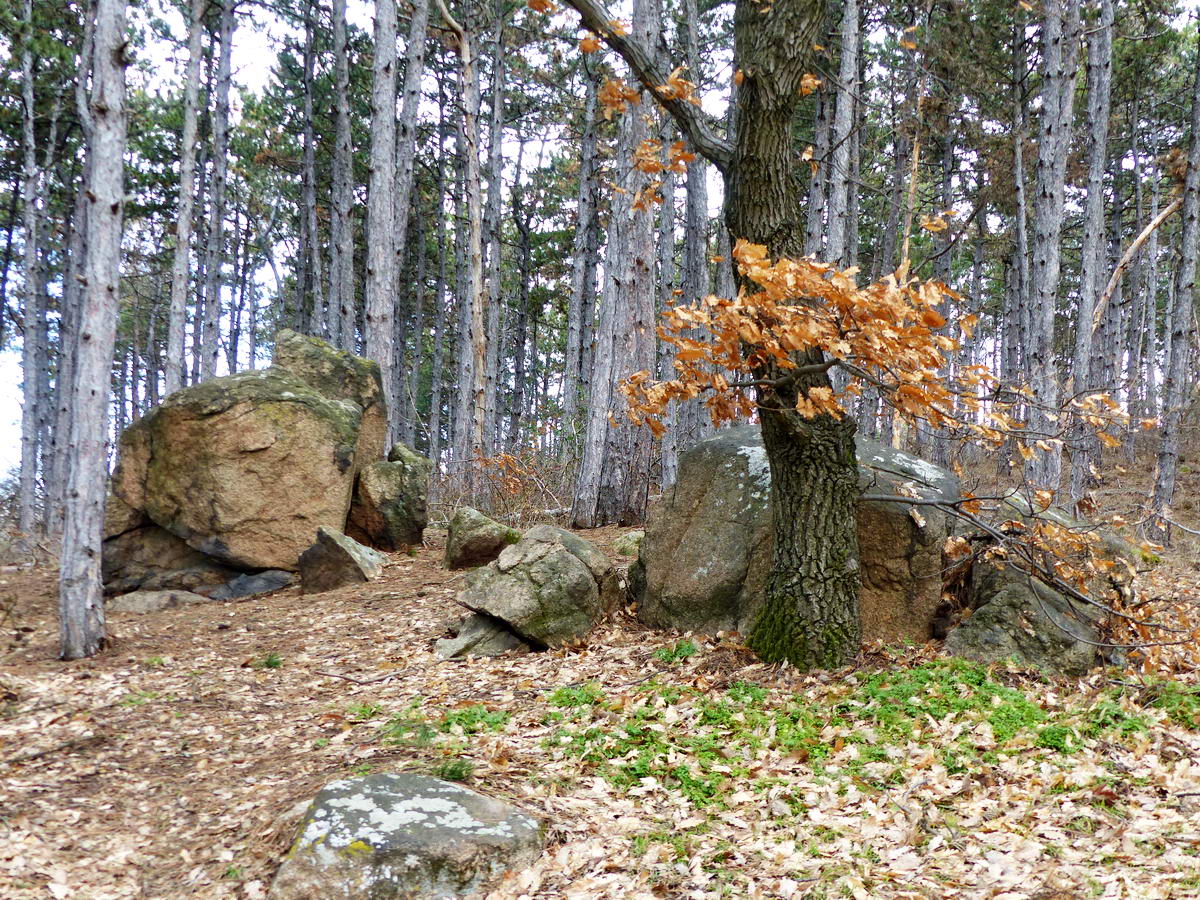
column 341, row 221
column 81, row 599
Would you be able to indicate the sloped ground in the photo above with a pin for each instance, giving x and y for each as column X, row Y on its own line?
column 176, row 764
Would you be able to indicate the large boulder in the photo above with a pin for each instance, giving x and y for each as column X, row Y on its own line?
column 335, row 561
column 475, row 540
column 388, row 510
column 707, row 550
column 243, row 468
column 404, row 836
column 339, row 375
column 550, row 587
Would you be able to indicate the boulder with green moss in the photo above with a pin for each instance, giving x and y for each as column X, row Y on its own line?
column 389, row 506
column 475, row 540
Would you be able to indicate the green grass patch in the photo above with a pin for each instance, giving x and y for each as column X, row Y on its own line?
column 677, row 653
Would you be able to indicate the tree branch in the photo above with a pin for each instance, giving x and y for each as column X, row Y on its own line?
column 1127, row 258
column 691, row 119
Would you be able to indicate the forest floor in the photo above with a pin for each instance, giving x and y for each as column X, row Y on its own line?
column 178, row 762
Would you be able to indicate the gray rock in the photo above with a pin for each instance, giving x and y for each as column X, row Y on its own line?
column 336, row 561
column 479, row 635
column 152, row 558
column 550, row 587
column 152, row 601
column 258, row 583
column 629, row 544
column 1018, row 617
column 707, row 550
column 389, row 506
column 404, row 836
column 475, row 540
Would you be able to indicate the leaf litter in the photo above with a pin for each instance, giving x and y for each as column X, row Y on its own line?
column 178, row 763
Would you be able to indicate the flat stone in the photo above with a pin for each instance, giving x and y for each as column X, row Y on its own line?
column 479, row 635
column 258, row 583
column 404, row 836
column 152, row 601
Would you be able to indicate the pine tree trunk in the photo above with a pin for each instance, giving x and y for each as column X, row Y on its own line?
column 341, row 220
column 839, row 186
column 81, row 600
column 314, row 301
column 381, row 209
column 215, row 257
column 185, row 214
column 495, row 193
column 1183, row 332
column 1060, row 28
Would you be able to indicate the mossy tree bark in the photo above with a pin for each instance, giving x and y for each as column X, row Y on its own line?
column 810, row 616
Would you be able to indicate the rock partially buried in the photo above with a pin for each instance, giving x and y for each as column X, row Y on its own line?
column 151, row 558
column 389, row 506
column 404, row 836
column 258, row 583
column 336, row 561
column 153, row 601
column 629, row 544
column 707, row 550
column 475, row 540
column 479, row 635
column 550, row 587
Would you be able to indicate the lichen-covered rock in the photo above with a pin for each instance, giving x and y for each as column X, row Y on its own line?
column 475, row 540
column 707, row 550
column 335, row 561
column 152, row 601
column 404, row 836
column 550, row 587
column 1016, row 616
column 245, row 468
column 389, row 506
column 339, row 375
column 629, row 544
column 479, row 635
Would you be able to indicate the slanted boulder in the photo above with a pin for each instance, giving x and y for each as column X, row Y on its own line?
column 336, row 561
column 479, row 635
column 389, row 506
column 152, row 601
column 404, row 836
column 243, row 468
column 707, row 550
column 475, row 540
column 339, row 375
column 550, row 587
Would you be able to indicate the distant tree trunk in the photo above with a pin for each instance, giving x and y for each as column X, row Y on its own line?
column 614, row 476
column 1093, row 255
column 583, row 273
column 341, row 220
column 406, row 144
column 181, row 265
column 839, row 186
column 314, row 302
column 381, row 207
column 1060, row 29
column 33, row 305
column 215, row 256
column 81, row 600
column 1183, row 331
column 522, row 214
column 495, row 181
column 439, row 314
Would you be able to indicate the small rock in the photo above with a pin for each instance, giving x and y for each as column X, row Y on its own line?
column 335, row 561
column 258, row 583
column 479, row 635
column 629, row 544
column 404, row 836
column 475, row 540
column 152, row 601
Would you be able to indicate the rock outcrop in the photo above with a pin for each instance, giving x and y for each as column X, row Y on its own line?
column 336, row 561
column 549, row 588
column 707, row 550
column 404, row 836
column 243, row 469
column 388, row 511
column 475, row 540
